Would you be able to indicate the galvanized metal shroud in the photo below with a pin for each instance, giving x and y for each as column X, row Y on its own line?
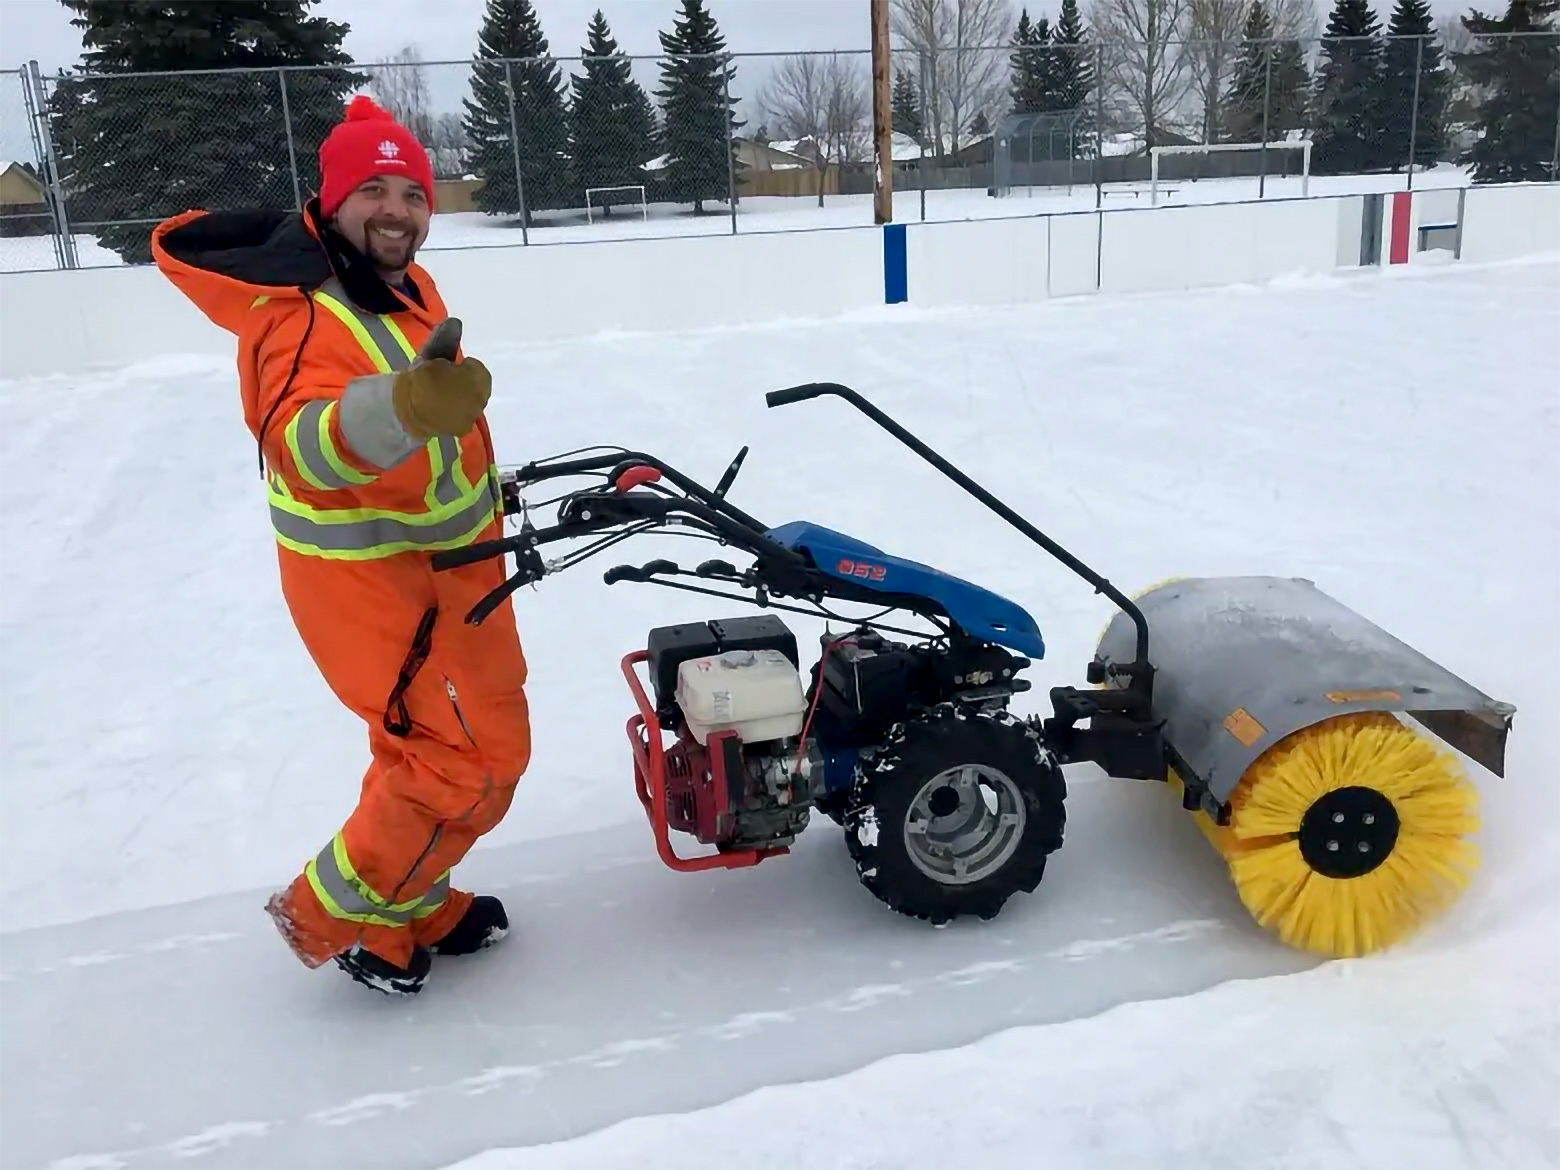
column 1242, row 662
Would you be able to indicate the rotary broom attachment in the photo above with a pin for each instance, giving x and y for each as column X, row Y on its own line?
column 1345, row 829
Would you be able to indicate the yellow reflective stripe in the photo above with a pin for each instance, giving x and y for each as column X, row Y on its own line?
column 348, row 318
column 258, row 301
column 370, row 533
column 328, row 449
column 435, row 473
column 345, row 895
column 300, row 460
column 320, row 465
column 344, row 866
column 400, row 338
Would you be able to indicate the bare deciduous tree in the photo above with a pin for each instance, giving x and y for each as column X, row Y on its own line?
column 963, row 48
column 448, row 146
column 1215, row 28
column 1145, row 73
column 823, row 99
column 400, row 85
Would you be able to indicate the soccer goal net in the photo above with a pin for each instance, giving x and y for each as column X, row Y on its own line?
column 1303, row 145
column 600, row 198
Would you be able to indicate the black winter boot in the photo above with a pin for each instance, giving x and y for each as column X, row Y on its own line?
column 382, row 975
column 483, row 924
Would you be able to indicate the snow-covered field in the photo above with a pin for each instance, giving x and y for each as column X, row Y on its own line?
column 170, row 756
column 775, row 214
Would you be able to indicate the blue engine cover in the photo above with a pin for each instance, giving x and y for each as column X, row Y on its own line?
column 979, row 612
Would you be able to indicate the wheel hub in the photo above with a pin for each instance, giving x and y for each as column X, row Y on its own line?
column 1348, row 832
column 964, row 824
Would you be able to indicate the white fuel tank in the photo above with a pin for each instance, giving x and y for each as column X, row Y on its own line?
column 756, row 693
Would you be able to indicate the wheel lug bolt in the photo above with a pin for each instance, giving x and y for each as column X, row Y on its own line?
column 1332, row 846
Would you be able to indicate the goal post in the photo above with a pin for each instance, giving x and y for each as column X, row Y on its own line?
column 1301, row 144
column 591, row 194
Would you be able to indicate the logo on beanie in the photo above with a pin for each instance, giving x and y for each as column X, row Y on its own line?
column 388, row 151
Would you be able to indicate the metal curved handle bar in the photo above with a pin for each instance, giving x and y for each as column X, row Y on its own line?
column 1101, row 585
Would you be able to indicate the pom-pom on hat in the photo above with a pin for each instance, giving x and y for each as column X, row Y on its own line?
column 369, row 142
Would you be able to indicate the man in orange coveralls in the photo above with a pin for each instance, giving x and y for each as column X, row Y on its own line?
column 375, row 454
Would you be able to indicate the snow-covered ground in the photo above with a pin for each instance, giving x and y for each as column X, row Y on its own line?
column 170, row 756
column 467, row 229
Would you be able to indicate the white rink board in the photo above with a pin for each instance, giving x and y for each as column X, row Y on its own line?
column 57, row 322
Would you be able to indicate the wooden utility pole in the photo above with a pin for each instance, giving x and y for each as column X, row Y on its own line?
column 882, row 118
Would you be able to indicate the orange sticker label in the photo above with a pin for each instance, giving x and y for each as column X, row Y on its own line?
column 1243, row 727
column 1363, row 696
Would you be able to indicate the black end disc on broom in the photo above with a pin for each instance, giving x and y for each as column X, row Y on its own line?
column 1348, row 832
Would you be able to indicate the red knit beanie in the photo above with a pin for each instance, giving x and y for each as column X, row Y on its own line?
column 369, row 142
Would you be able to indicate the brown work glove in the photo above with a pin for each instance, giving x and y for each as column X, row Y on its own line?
column 438, row 395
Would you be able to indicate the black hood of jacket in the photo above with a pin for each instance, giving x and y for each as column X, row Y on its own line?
column 276, row 249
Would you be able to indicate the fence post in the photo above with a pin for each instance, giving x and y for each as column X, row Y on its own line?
column 1267, row 104
column 292, row 153
column 1413, row 125
column 1099, row 132
column 731, row 162
column 514, row 146
column 1554, row 159
column 926, row 125
column 43, row 135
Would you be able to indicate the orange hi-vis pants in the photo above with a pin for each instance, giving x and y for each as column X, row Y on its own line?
column 430, row 793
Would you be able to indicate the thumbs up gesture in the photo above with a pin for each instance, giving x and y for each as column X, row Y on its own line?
column 438, row 395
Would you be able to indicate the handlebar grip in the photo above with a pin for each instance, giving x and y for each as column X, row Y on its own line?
column 794, row 394
column 483, row 550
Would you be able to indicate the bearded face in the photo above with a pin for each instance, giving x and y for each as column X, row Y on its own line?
column 386, row 218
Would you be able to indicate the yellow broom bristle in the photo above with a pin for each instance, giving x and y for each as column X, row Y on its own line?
column 1430, row 863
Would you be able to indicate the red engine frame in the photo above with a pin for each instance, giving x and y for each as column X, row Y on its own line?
column 706, row 776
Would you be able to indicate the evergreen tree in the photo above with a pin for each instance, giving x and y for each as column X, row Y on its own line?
column 1246, row 102
column 699, row 136
column 1349, row 132
column 1072, row 77
column 1289, row 99
column 1409, row 27
column 611, row 123
column 1519, row 79
column 1032, row 89
column 1278, row 87
column 907, row 106
column 151, row 146
column 512, row 34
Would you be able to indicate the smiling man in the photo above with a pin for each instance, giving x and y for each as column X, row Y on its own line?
column 375, row 454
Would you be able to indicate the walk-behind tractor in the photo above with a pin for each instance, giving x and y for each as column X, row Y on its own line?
column 1269, row 707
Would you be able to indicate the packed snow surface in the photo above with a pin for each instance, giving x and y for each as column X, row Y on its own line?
column 170, row 756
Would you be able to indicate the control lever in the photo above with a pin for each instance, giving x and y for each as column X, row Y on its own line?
column 730, row 474
column 643, row 573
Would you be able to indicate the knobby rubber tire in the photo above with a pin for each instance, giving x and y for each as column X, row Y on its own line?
column 917, row 749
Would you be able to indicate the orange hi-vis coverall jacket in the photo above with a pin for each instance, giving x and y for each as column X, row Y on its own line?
column 449, row 728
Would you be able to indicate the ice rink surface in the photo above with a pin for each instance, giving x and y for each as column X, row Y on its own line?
column 170, row 757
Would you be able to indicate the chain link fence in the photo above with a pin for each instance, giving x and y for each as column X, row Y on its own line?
column 591, row 148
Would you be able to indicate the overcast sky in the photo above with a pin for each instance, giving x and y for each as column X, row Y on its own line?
column 447, row 29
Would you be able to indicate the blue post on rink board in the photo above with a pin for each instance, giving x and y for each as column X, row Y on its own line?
column 896, row 278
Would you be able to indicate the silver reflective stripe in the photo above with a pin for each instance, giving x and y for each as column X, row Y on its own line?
column 373, row 324
column 369, row 424
column 383, row 535
column 307, row 435
column 345, row 895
